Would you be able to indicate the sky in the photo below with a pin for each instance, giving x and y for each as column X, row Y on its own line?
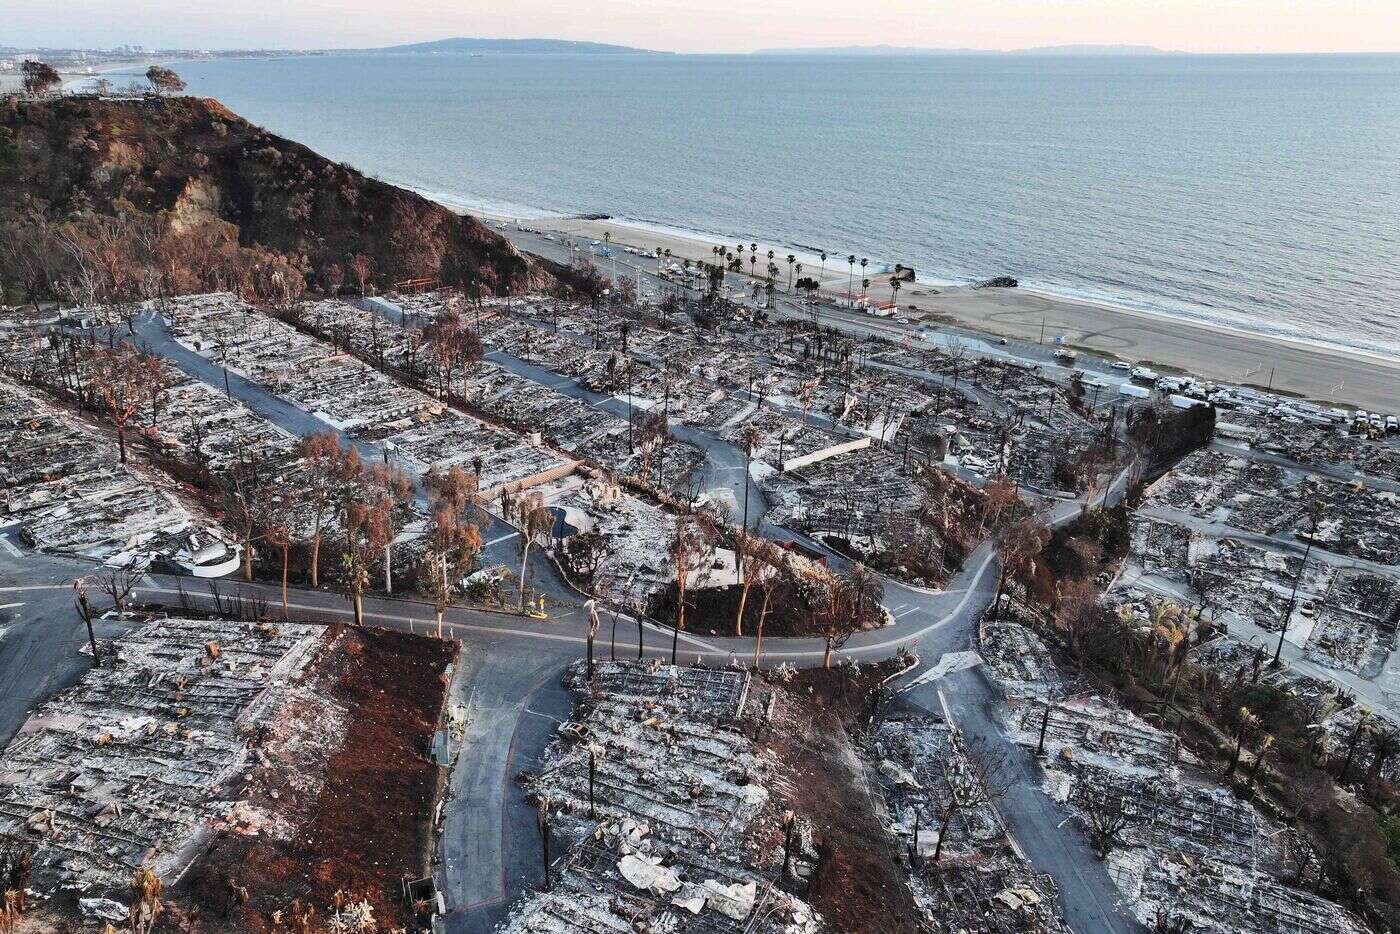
column 714, row 25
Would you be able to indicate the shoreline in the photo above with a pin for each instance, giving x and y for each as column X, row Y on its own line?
column 1213, row 351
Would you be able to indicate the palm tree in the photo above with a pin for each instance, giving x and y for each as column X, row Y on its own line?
column 799, row 276
column 748, row 438
column 753, row 258
column 823, row 265
column 864, row 287
column 534, row 520
column 850, row 277
column 790, row 260
column 895, row 286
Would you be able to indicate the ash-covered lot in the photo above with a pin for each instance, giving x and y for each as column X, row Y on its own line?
column 249, row 766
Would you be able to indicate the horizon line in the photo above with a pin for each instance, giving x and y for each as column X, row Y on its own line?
column 1130, row 49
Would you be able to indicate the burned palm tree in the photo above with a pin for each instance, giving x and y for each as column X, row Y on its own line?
column 534, row 520
column 145, row 906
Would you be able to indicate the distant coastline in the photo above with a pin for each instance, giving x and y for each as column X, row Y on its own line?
column 1070, row 50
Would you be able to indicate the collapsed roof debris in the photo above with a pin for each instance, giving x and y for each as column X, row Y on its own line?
column 65, row 485
column 1180, row 847
column 132, row 766
column 965, row 874
column 353, row 396
column 660, row 834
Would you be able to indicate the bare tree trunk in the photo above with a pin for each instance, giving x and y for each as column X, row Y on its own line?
column 285, row 549
column 524, row 565
column 316, row 555
column 680, row 615
column 942, row 832
column 762, row 616
column 739, row 617
column 826, row 659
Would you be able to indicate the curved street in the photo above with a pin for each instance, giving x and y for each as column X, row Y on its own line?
column 510, row 666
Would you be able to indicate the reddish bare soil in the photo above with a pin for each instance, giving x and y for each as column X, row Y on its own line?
column 860, row 884
column 369, row 825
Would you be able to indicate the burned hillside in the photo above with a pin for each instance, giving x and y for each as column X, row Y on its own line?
column 187, row 196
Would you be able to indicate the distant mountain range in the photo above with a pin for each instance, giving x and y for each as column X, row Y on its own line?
column 466, row 46
column 915, row 50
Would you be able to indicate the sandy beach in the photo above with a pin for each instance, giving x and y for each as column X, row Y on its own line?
column 1209, row 351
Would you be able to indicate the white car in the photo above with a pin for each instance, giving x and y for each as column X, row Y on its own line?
column 1392, row 424
column 1120, row 365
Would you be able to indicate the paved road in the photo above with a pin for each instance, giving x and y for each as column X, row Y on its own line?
column 41, row 635
column 499, row 537
column 517, row 660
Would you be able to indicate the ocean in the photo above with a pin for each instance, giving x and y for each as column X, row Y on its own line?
column 1262, row 192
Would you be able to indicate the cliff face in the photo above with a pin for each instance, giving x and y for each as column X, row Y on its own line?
column 188, row 162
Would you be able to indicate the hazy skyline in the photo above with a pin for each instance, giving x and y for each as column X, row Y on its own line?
column 720, row 25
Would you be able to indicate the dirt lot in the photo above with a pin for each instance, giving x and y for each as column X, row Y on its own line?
column 368, row 824
column 860, row 884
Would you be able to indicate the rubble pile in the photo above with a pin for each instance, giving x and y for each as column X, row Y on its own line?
column 350, row 395
column 634, row 565
column 584, row 430
column 660, row 837
column 1265, row 498
column 1020, row 660
column 385, row 334
column 65, row 485
column 134, row 765
column 197, row 423
column 1180, row 847
column 964, row 873
column 1087, row 729
column 1193, row 852
column 1322, row 444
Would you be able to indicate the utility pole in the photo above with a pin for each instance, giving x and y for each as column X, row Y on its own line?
column 542, row 822
column 1315, row 514
column 85, row 611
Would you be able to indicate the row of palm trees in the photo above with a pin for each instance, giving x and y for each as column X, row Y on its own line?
column 734, row 260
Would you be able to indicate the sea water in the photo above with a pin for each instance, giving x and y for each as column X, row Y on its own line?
column 1258, row 191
